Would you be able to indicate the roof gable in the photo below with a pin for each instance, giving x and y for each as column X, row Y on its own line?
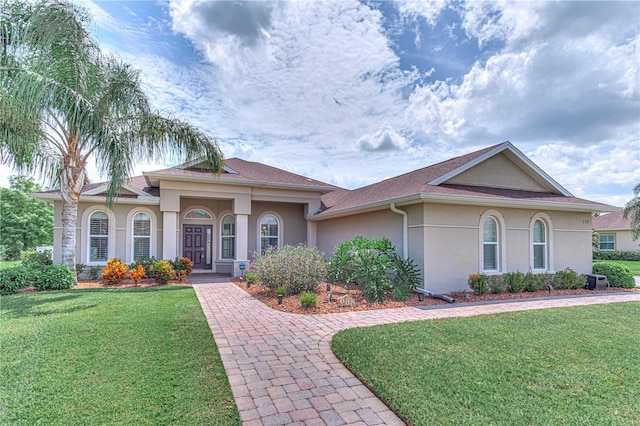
column 502, row 166
column 611, row 221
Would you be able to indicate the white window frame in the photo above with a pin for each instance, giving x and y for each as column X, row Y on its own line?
column 613, row 241
column 548, row 244
column 501, row 247
column 129, row 232
column 259, row 226
column 230, row 237
column 111, row 243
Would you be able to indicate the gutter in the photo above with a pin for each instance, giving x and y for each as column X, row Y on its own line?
column 405, row 230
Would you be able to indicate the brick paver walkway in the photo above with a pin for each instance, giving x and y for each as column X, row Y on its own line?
column 281, row 367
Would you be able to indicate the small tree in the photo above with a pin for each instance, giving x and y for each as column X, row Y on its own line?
column 632, row 212
column 24, row 221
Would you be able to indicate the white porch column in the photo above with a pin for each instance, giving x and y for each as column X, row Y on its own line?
column 170, row 235
column 242, row 243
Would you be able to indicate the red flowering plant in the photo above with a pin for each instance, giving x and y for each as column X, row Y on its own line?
column 183, row 267
column 137, row 274
column 115, row 272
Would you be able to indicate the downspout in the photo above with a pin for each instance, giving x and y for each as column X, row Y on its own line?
column 405, row 253
column 405, row 230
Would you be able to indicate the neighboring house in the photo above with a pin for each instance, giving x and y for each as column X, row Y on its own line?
column 490, row 211
column 614, row 232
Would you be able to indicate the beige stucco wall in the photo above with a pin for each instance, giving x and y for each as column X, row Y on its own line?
column 377, row 224
column 120, row 224
column 292, row 222
column 453, row 245
column 444, row 240
column 497, row 172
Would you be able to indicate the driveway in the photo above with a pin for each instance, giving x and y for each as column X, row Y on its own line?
column 281, row 367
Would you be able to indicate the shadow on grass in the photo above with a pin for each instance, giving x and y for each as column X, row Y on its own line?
column 134, row 289
column 26, row 304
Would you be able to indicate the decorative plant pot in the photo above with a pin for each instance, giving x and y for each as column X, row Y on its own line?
column 280, row 296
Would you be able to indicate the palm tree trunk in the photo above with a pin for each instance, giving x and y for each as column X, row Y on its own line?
column 69, row 220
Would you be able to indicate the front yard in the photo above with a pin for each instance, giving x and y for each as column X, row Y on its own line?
column 571, row 366
column 128, row 356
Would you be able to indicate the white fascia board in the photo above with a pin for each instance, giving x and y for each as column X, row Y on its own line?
column 498, row 149
column 102, row 188
column 469, row 200
column 241, row 182
column 148, row 200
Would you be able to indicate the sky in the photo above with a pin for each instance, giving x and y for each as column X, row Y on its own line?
column 353, row 92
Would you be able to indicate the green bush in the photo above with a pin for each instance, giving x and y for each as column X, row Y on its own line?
column 616, row 255
column 35, row 260
column 497, row 284
column 13, row 279
column 340, row 267
column 297, row 268
column 54, row 277
column 568, row 279
column 479, row 283
column 618, row 275
column 371, row 273
column 375, row 265
column 515, row 281
column 94, row 272
column 146, row 263
column 405, row 277
column 308, row 299
column 281, row 291
column 534, row 282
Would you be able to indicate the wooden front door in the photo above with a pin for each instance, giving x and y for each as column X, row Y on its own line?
column 197, row 245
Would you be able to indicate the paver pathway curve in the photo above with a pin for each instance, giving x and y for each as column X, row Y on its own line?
column 281, row 367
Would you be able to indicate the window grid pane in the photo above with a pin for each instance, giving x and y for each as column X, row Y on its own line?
column 141, row 246
column 142, row 225
column 490, row 231
column 539, row 256
column 539, row 232
column 98, row 249
column 490, row 257
column 607, row 242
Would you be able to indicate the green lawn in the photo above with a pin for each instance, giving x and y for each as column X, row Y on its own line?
column 117, row 357
column 9, row 264
column 571, row 366
column 633, row 266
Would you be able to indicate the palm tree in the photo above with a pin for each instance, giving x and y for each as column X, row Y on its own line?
column 632, row 212
column 63, row 101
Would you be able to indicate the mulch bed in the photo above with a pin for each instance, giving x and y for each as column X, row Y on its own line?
column 291, row 304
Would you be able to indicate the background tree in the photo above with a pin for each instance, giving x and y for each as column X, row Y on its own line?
column 24, row 221
column 63, row 101
column 632, row 212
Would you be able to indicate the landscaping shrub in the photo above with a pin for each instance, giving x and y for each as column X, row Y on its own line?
column 115, row 272
column 162, row 271
column 568, row 279
column 137, row 273
column 340, row 270
column 497, row 284
column 618, row 275
column 297, row 268
column 308, row 299
column 533, row 282
column 35, row 260
column 406, row 277
column 94, row 272
column 13, row 279
column 515, row 281
column 183, row 267
column 375, row 265
column 371, row 273
column 145, row 262
column 616, row 255
column 54, row 277
column 479, row 283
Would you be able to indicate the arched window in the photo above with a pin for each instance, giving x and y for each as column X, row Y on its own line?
column 539, row 245
column 228, row 237
column 141, row 236
column 490, row 244
column 98, row 237
column 269, row 232
column 197, row 214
